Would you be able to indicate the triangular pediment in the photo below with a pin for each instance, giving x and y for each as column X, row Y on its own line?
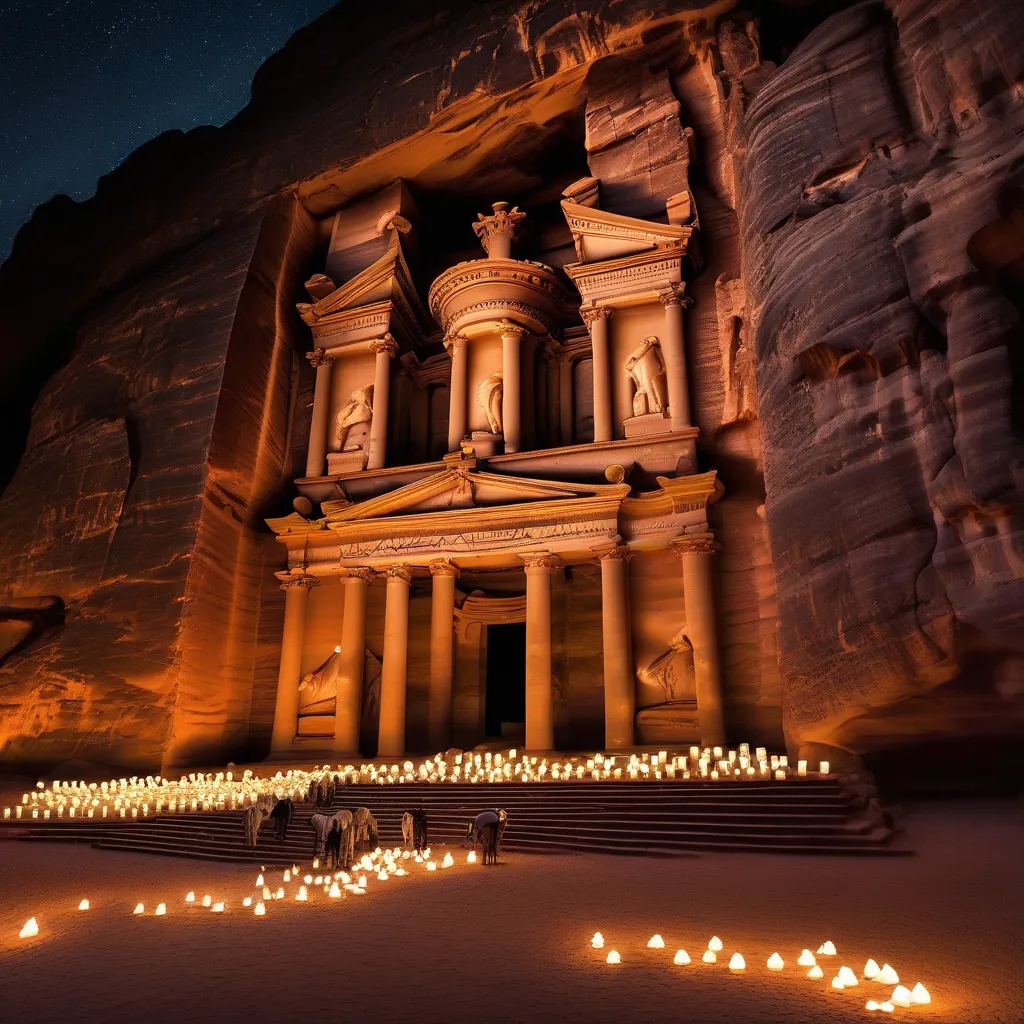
column 458, row 489
column 600, row 235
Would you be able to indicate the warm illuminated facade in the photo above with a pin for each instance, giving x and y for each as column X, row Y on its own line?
column 492, row 462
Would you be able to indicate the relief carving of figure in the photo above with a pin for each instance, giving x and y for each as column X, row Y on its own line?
column 488, row 397
column 648, row 372
column 322, row 683
column 352, row 424
column 672, row 672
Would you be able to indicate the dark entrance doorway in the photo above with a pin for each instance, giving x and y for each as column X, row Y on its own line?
column 506, row 675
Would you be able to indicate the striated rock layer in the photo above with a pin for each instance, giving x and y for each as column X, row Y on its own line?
column 852, row 348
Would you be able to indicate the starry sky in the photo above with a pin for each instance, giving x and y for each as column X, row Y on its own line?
column 84, row 82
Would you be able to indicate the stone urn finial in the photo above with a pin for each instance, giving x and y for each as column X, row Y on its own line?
column 497, row 230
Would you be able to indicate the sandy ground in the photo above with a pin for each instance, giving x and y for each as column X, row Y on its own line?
column 511, row 943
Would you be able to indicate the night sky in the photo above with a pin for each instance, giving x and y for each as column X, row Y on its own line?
column 83, row 83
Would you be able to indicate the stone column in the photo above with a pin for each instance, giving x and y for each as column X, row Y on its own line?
column 391, row 736
column 317, row 451
column 697, row 551
column 442, row 644
column 551, row 424
column 497, row 230
column 565, row 409
column 349, row 705
column 511, row 365
column 596, row 318
column 674, row 351
column 540, row 734
column 286, row 707
column 384, row 348
column 619, row 671
column 458, row 400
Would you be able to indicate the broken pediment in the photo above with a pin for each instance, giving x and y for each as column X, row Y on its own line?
column 458, row 489
column 599, row 235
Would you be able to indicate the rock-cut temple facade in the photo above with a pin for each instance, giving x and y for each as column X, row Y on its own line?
column 553, row 375
column 516, row 450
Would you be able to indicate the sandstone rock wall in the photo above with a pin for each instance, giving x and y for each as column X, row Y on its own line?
column 887, row 389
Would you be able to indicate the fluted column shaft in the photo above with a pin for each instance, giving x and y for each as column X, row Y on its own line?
column 286, row 706
column 697, row 553
column 511, row 404
column 442, row 645
column 459, row 398
column 540, row 732
column 349, row 704
column 619, row 673
column 597, row 320
column 674, row 351
column 383, row 349
column 316, row 453
column 391, row 734
column 565, row 407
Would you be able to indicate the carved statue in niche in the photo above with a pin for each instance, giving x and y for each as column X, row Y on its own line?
column 321, row 684
column 646, row 368
column 369, row 718
column 740, row 401
column 352, row 425
column 488, row 397
column 672, row 672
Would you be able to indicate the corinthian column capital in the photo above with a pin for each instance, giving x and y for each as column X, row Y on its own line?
column 385, row 344
column 591, row 313
column 357, row 573
column 399, row 572
column 319, row 357
column 540, row 562
column 297, row 579
column 497, row 230
column 453, row 342
column 675, row 296
column 695, row 544
column 442, row 567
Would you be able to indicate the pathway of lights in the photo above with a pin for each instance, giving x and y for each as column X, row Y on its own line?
column 381, row 864
column 883, row 978
column 138, row 797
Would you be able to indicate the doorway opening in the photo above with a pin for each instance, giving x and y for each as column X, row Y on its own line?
column 506, row 679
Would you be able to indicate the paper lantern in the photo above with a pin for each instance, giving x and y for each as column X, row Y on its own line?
column 279, row 895
column 471, row 857
column 886, row 1007
column 286, row 877
column 655, row 942
column 827, row 948
column 871, row 970
column 806, row 959
column 887, row 976
column 709, row 956
column 837, row 983
column 597, row 941
column 362, row 881
column 775, row 962
column 681, row 958
column 871, row 1005
column 613, row 957
column 920, row 996
column 901, row 996
column 448, row 861
column 267, row 893
column 737, row 963
column 334, row 892
column 715, row 945
column 308, row 879
column 431, row 866
column 29, row 930
column 139, row 909
column 316, row 863
column 161, row 909
column 217, row 908
column 207, row 900
column 301, row 895
column 190, row 898
column 815, row 973
column 260, row 910
column 84, row 905
column 247, row 902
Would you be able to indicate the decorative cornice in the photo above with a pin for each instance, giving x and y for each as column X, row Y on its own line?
column 695, row 544
column 399, row 572
column 540, row 562
column 442, row 567
column 319, row 357
column 300, row 579
column 386, row 344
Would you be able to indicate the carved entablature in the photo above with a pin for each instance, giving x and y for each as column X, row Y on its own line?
column 599, row 235
column 645, row 275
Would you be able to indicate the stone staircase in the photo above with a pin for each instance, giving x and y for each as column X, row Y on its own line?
column 647, row 818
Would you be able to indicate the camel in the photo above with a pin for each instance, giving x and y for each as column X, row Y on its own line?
column 346, row 850
column 487, row 829
column 283, row 812
column 252, row 819
column 321, row 825
column 366, row 827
